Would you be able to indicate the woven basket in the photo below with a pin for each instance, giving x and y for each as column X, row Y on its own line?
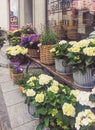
column 33, row 53
column 45, row 56
column 16, row 77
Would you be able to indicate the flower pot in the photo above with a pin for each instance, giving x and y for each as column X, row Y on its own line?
column 61, row 67
column 45, row 56
column 31, row 110
column 16, row 77
column 86, row 80
column 33, row 53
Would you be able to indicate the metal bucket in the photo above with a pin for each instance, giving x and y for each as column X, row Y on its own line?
column 61, row 67
column 86, row 80
column 31, row 110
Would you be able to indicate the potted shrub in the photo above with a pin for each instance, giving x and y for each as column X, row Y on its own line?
column 17, row 53
column 28, row 29
column 31, row 42
column 82, row 58
column 17, row 73
column 47, row 40
column 59, row 107
column 59, row 52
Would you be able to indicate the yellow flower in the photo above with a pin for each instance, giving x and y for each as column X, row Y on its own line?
column 68, row 109
column 73, row 42
column 53, row 89
column 52, row 50
column 39, row 97
column 54, row 112
column 30, row 92
column 74, row 49
column 31, row 84
column 59, row 122
column 90, row 51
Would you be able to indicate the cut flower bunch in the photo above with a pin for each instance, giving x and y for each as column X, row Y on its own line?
column 82, row 55
column 59, row 107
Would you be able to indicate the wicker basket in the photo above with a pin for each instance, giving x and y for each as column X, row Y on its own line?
column 16, row 77
column 33, row 53
column 45, row 56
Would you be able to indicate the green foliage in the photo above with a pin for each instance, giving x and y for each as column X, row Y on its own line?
column 24, row 79
column 48, row 37
column 92, row 97
column 81, row 55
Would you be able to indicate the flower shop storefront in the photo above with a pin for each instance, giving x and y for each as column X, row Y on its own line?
column 71, row 19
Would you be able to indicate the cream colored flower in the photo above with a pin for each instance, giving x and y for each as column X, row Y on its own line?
column 55, row 83
column 84, row 118
column 73, row 42
column 53, row 50
column 39, row 97
column 62, row 42
column 75, row 92
column 68, row 109
column 53, row 89
column 44, row 79
column 90, row 51
column 30, row 92
column 74, row 49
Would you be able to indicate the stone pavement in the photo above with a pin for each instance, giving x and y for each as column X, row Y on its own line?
column 13, row 112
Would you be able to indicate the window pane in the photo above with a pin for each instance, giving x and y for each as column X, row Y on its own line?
column 71, row 19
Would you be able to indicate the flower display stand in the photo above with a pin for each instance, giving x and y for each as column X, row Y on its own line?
column 86, row 80
column 61, row 67
column 34, row 53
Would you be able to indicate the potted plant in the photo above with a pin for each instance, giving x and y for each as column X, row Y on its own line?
column 59, row 52
column 28, row 29
column 11, row 66
column 17, row 73
column 58, row 107
column 17, row 53
column 31, row 43
column 23, row 81
column 47, row 40
column 82, row 57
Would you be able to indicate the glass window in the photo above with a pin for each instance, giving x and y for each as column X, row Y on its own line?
column 13, row 14
column 71, row 19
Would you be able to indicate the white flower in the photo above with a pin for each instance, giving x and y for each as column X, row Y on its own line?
column 53, row 89
column 30, row 92
column 44, row 79
column 62, row 42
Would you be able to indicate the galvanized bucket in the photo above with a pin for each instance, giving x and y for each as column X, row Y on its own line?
column 61, row 67
column 31, row 110
column 86, row 80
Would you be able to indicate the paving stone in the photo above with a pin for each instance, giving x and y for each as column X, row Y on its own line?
column 29, row 126
column 4, row 118
column 19, row 115
column 13, row 97
column 8, row 86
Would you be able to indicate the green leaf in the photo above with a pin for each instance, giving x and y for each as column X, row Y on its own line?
column 92, row 97
column 42, row 111
column 46, row 121
column 39, row 127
